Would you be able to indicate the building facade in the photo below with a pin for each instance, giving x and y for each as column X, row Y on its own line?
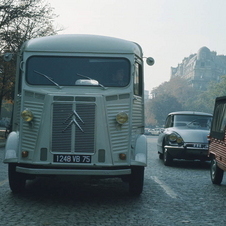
column 201, row 68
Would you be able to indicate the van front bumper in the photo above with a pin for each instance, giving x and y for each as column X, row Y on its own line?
column 60, row 171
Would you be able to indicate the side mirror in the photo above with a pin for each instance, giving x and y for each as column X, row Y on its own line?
column 150, row 61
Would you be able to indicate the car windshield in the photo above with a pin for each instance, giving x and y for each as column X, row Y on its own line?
column 75, row 71
column 192, row 121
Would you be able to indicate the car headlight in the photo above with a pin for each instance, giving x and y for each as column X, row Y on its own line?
column 27, row 115
column 172, row 137
column 122, row 117
column 175, row 138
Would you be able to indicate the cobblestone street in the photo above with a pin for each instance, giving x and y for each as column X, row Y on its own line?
column 179, row 195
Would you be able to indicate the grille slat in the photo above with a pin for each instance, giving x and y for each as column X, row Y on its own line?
column 61, row 138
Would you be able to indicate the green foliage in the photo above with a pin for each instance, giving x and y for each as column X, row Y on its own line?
column 205, row 100
column 177, row 95
column 162, row 105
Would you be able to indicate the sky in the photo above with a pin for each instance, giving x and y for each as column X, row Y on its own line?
column 167, row 30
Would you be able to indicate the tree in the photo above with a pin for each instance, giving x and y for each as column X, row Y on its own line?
column 177, row 87
column 205, row 100
column 150, row 120
column 169, row 96
column 162, row 105
column 20, row 20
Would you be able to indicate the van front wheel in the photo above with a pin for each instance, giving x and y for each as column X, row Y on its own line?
column 136, row 180
column 216, row 173
column 17, row 180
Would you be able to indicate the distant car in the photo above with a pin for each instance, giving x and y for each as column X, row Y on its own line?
column 184, row 136
column 155, row 132
column 147, row 131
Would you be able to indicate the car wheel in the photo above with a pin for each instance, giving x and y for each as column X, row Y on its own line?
column 17, row 180
column 136, row 180
column 216, row 173
column 167, row 158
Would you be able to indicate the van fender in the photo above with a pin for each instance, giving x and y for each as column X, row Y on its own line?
column 140, row 151
column 11, row 148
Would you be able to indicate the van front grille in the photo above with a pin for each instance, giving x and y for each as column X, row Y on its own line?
column 73, row 127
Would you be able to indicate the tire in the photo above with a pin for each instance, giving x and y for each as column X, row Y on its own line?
column 17, row 180
column 167, row 158
column 216, row 173
column 136, row 180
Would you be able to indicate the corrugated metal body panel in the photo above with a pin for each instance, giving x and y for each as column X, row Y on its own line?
column 137, row 112
column 119, row 134
column 30, row 135
column 137, row 118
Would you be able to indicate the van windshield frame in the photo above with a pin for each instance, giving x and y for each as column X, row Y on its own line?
column 66, row 71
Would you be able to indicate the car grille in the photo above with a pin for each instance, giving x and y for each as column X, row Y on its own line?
column 73, row 127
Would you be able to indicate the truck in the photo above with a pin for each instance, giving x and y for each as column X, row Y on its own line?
column 78, row 110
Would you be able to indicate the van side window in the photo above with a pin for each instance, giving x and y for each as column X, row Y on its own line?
column 219, row 121
column 138, row 82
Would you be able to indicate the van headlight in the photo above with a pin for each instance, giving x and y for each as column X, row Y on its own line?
column 122, row 117
column 27, row 115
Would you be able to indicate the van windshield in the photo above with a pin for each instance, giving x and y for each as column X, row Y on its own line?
column 75, row 71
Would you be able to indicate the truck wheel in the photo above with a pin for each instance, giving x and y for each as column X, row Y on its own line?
column 136, row 180
column 17, row 180
column 167, row 158
column 216, row 173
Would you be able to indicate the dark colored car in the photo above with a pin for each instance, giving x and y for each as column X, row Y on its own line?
column 184, row 136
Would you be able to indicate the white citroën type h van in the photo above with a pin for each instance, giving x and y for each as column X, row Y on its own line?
column 78, row 110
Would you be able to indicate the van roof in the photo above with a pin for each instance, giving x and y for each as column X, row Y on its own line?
column 79, row 43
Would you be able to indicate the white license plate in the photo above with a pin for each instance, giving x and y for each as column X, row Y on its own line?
column 72, row 158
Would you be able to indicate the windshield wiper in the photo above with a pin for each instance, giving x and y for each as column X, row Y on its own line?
column 84, row 76
column 48, row 78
